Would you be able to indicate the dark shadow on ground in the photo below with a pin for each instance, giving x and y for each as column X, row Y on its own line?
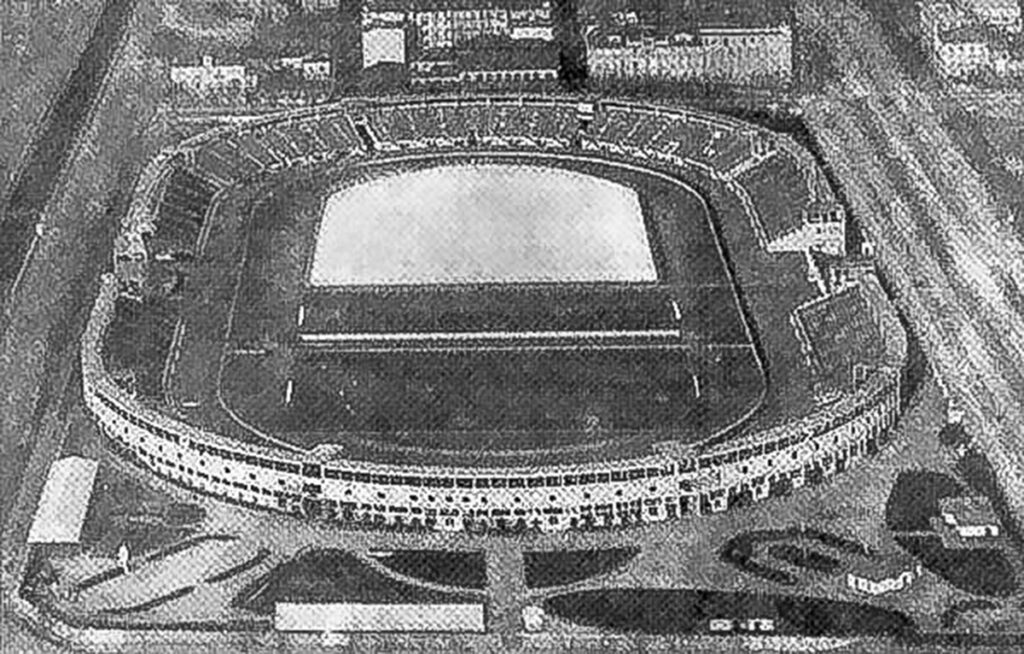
column 803, row 557
column 559, row 568
column 977, row 571
column 741, row 552
column 950, row 615
column 328, row 575
column 914, row 499
column 662, row 612
column 458, row 569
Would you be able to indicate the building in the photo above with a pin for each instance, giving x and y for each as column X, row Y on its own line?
column 447, row 24
column 453, row 23
column 309, row 67
column 1000, row 14
column 969, row 517
column 208, row 76
column 747, row 56
column 384, row 33
column 964, row 52
column 320, row 5
column 879, row 576
column 502, row 64
column 462, row 41
column 966, row 39
column 718, row 42
column 383, row 45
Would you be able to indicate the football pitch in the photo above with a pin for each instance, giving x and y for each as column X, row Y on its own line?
column 537, row 301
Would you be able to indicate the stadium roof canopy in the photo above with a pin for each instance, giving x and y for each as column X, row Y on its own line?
column 65, row 499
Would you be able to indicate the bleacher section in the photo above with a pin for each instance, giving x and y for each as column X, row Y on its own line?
column 139, row 339
column 730, row 150
column 778, row 189
column 181, row 212
column 782, row 198
column 839, row 334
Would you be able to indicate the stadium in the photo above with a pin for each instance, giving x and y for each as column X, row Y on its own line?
column 490, row 313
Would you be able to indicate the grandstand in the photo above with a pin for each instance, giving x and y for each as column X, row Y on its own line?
column 442, row 388
column 780, row 194
column 181, row 212
column 840, row 338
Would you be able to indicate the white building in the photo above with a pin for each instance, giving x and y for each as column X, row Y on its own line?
column 729, row 54
column 1001, row 14
column 531, row 64
column 208, row 76
column 383, row 44
column 967, row 38
column 963, row 52
column 320, row 5
column 310, row 67
column 971, row 517
column 881, row 576
column 446, row 24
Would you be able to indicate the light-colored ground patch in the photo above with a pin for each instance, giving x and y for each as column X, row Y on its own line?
column 483, row 223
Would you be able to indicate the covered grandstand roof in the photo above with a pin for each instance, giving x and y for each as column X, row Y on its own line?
column 65, row 499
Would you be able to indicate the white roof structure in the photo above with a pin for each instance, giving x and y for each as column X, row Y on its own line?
column 65, row 499
column 347, row 617
column 383, row 45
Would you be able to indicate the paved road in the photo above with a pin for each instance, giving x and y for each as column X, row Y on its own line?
column 54, row 143
column 953, row 259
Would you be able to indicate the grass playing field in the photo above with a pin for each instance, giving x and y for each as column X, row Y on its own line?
column 646, row 258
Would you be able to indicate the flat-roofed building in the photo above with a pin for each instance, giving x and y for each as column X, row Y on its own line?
column 504, row 63
column 64, row 501
column 320, row 5
column 970, row 517
column 1001, row 14
column 447, row 24
column 879, row 576
column 970, row 38
column 209, row 76
column 310, row 66
column 722, row 42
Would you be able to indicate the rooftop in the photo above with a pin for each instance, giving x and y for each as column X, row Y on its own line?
column 882, row 568
column 969, row 510
column 522, row 55
column 966, row 34
column 675, row 15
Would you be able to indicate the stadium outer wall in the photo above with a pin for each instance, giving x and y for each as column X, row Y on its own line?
column 649, row 489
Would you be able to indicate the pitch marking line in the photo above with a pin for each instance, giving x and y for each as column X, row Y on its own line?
column 485, row 336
